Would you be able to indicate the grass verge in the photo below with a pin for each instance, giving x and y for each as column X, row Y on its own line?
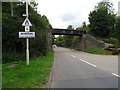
column 22, row 76
column 0, row 66
column 96, row 50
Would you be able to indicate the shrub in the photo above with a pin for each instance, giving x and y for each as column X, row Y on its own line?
column 110, row 47
column 112, row 41
column 12, row 56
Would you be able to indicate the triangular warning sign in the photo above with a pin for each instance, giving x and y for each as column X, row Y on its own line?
column 26, row 23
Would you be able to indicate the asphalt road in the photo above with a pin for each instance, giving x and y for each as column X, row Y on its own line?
column 75, row 69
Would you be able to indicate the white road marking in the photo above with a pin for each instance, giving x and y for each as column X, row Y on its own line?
column 82, row 60
column 71, row 55
column 115, row 75
column 88, row 63
column 68, row 54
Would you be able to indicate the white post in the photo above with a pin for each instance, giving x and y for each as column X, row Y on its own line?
column 27, row 9
column 27, row 40
column 27, row 52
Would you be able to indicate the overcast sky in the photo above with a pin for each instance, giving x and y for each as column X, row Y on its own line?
column 62, row 13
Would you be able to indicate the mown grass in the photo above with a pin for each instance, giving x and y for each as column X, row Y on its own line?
column 96, row 50
column 33, row 76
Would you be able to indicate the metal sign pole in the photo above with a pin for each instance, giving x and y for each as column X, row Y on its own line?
column 27, row 40
column 27, row 34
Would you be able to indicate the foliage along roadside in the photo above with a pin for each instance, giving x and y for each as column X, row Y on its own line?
column 13, row 47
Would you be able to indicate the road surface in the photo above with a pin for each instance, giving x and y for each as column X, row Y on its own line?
column 75, row 69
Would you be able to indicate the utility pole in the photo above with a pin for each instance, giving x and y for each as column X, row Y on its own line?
column 27, row 39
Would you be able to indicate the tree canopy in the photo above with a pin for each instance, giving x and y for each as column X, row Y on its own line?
column 102, row 19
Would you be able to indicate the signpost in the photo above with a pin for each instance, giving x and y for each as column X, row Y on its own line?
column 27, row 40
column 27, row 34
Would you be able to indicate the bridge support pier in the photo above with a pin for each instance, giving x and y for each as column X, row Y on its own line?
column 83, row 42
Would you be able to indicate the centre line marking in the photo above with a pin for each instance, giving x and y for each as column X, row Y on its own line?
column 73, row 56
column 115, row 75
column 88, row 63
column 68, row 54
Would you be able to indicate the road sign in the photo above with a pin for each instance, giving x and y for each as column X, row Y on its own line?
column 27, row 28
column 24, row 15
column 26, row 34
column 26, row 23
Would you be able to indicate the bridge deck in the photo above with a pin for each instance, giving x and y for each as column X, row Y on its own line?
column 67, row 32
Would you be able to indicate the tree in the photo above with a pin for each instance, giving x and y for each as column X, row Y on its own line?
column 59, row 40
column 11, row 8
column 118, row 30
column 53, row 39
column 106, row 4
column 102, row 19
column 67, row 38
column 84, row 24
column 84, row 27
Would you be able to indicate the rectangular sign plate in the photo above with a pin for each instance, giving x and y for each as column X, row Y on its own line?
column 26, row 34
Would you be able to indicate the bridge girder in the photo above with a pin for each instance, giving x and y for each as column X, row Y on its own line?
column 67, row 32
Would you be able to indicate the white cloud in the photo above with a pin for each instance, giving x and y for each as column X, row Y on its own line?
column 62, row 13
